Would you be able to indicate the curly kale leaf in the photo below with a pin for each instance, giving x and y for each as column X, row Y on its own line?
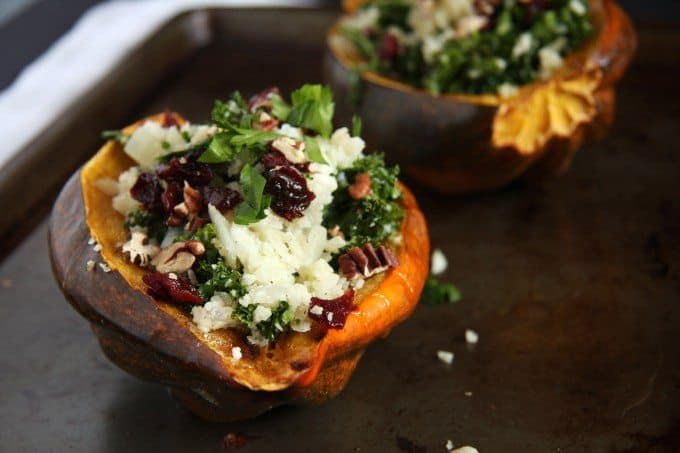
column 373, row 218
column 151, row 222
column 438, row 293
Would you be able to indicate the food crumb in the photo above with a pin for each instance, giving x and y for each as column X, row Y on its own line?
column 471, row 337
column 97, row 248
column 465, row 449
column 468, row 394
column 445, row 356
column 104, row 267
column 236, row 353
column 91, row 241
column 234, row 441
column 439, row 263
column 89, row 265
column 449, row 445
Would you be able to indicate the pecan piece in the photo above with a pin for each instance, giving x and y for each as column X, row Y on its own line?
column 366, row 261
column 294, row 150
column 265, row 122
column 178, row 257
column 361, row 187
column 138, row 251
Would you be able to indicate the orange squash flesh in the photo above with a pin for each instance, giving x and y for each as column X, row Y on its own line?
column 317, row 363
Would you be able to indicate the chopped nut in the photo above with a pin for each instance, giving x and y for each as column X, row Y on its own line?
column 291, row 148
column 366, row 261
column 361, row 186
column 178, row 257
column 336, row 232
column 138, row 251
column 265, row 122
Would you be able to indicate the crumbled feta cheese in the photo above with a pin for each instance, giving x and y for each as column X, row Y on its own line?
column 146, row 144
column 465, row 449
column 90, row 265
column 439, row 263
column 549, row 57
column 468, row 394
column 329, row 316
column 471, row 337
column 445, row 356
column 104, row 267
column 97, row 248
column 316, row 310
column 449, row 445
column 523, row 45
column 91, row 241
column 172, row 276
column 123, row 202
column 577, row 7
column 236, row 353
column 215, row 314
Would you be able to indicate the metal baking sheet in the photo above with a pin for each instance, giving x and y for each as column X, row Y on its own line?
column 573, row 287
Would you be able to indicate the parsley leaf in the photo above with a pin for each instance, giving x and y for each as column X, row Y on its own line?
column 314, row 150
column 115, row 135
column 219, row 150
column 280, row 108
column 312, row 109
column 252, row 137
column 439, row 293
column 356, row 126
column 255, row 201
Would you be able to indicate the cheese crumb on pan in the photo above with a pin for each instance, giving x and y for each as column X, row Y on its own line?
column 471, row 337
column 445, row 356
column 439, row 263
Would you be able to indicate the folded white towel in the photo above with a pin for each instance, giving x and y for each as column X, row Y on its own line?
column 83, row 56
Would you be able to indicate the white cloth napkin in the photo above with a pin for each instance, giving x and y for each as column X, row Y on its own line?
column 83, row 56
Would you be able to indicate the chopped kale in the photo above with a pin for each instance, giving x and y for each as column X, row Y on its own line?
column 482, row 61
column 373, row 218
column 438, row 293
column 153, row 223
column 277, row 322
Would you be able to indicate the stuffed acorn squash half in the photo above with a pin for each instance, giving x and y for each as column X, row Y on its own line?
column 253, row 259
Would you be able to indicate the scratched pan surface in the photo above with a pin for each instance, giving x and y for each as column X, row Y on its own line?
column 573, row 287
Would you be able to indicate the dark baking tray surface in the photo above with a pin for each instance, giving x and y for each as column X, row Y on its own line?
column 572, row 287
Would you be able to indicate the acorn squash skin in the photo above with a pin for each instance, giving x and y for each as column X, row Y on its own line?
column 457, row 143
column 155, row 341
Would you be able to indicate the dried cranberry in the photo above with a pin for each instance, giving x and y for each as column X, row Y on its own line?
column 172, row 196
column 169, row 119
column 276, row 158
column 533, row 8
column 389, row 48
column 335, row 311
column 177, row 290
column 289, row 191
column 197, row 174
column 262, row 99
column 223, row 198
column 148, row 191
